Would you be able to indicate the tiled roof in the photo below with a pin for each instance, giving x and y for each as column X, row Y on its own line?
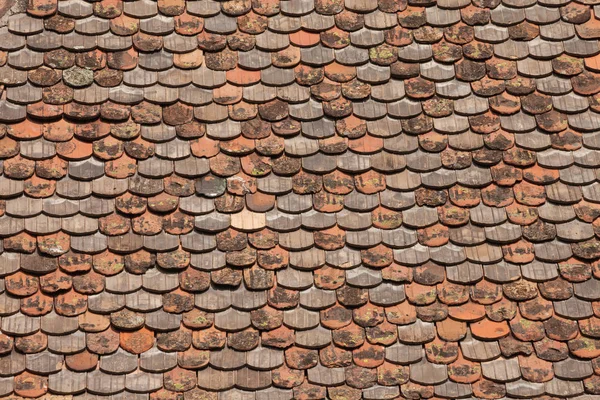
column 299, row 199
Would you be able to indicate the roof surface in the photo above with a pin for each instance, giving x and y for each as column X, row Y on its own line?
column 308, row 199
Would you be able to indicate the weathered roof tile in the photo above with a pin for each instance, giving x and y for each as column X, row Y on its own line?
column 310, row 176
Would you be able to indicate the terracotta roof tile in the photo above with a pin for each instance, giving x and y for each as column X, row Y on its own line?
column 255, row 200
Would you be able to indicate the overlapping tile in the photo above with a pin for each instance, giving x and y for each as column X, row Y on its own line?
column 301, row 199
